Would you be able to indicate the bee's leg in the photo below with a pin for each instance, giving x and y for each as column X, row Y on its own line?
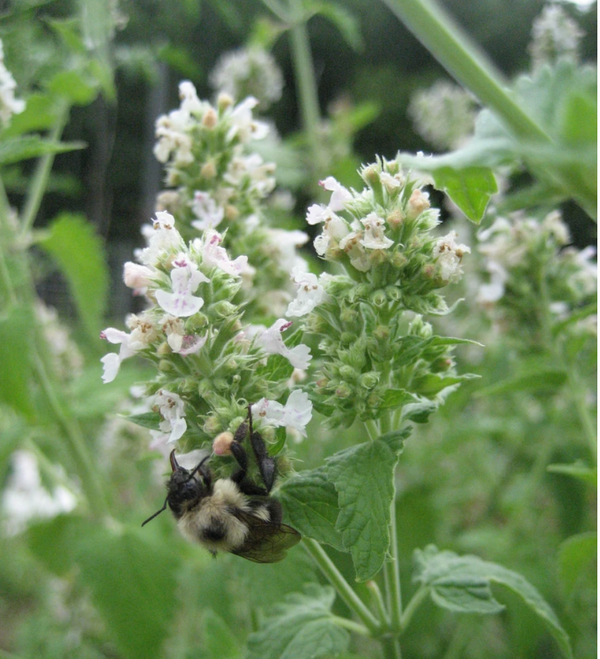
column 205, row 474
column 266, row 463
column 240, row 477
column 275, row 511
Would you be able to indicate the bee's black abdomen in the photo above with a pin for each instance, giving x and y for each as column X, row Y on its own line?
column 214, row 532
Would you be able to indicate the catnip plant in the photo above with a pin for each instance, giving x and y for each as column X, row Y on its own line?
column 374, row 362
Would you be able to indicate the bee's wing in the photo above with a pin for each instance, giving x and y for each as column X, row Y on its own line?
column 266, row 542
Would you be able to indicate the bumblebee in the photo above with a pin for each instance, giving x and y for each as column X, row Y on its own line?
column 231, row 514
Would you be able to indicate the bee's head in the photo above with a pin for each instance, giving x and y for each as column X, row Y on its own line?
column 186, row 488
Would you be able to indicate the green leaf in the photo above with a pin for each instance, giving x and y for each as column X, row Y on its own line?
column 344, row 21
column 10, row 439
column 420, row 411
column 219, row 640
column 16, row 333
column 39, row 114
column 302, row 627
column 15, row 149
column 462, row 583
column 576, row 470
column 363, row 476
column 79, row 253
column 73, row 86
column 396, row 438
column 311, row 504
column 149, row 420
column 432, row 383
column 395, row 398
column 576, row 557
column 540, row 381
column 470, row 188
column 54, row 542
column 133, row 582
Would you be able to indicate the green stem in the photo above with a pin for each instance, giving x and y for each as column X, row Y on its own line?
column 40, row 178
column 415, row 602
column 392, row 576
column 351, row 625
column 373, row 588
column 305, row 82
column 372, row 429
column 343, row 588
column 457, row 53
column 391, row 647
column 578, row 397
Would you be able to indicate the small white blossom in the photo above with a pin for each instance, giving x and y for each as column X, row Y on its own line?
column 171, row 408
column 310, row 293
column 374, row 236
column 185, row 278
column 112, row 361
column 448, row 255
column 216, row 257
column 245, row 127
column 339, row 194
column 163, row 240
column 352, row 245
column 207, row 211
column 272, row 342
column 137, row 276
column 296, row 413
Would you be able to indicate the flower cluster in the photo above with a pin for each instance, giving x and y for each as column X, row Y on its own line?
column 210, row 366
column 555, row 34
column 373, row 359
column 9, row 105
column 248, row 72
column 531, row 268
column 444, row 114
column 217, row 183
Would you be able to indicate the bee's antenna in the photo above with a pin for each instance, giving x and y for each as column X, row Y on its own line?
column 250, row 419
column 158, row 512
column 199, row 465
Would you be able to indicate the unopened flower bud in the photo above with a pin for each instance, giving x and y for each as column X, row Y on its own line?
column 347, row 338
column 165, row 366
column 210, row 119
column 136, row 275
column 231, row 213
column 398, row 260
column 418, row 202
column 381, row 332
column 378, row 298
column 393, row 293
column 395, row 218
column 343, row 391
column 369, row 380
column 224, row 101
column 441, row 364
column 222, row 443
column 348, row 315
column 212, row 425
column 208, row 170
column 347, row 373
column 163, row 349
column 223, row 309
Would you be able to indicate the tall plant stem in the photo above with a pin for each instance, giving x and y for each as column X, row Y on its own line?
column 39, row 181
column 305, row 81
column 457, row 53
column 392, row 576
column 345, row 591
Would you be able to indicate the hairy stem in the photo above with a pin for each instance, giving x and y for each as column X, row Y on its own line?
column 392, row 576
column 415, row 602
column 343, row 588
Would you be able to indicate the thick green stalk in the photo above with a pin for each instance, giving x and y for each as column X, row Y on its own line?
column 392, row 575
column 343, row 588
column 415, row 602
column 457, row 53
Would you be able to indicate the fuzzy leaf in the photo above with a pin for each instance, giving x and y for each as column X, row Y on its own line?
column 79, row 254
column 300, row 628
column 470, row 188
column 396, row 398
column 363, row 476
column 462, row 583
column 575, row 558
column 311, row 504
column 540, row 381
column 16, row 325
column 133, row 582
column 219, row 641
column 15, row 149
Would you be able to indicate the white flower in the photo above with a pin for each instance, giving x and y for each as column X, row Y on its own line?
column 185, row 278
column 448, row 256
column 352, row 245
column 245, row 127
column 136, row 276
column 374, row 236
column 272, row 342
column 171, row 408
column 309, row 293
column 207, row 211
column 112, row 361
column 216, row 257
column 190, row 103
column 163, row 239
column 317, row 213
column 296, row 413
column 339, row 194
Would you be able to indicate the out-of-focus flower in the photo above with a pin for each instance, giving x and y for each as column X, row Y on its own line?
column 555, row 34
column 9, row 105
